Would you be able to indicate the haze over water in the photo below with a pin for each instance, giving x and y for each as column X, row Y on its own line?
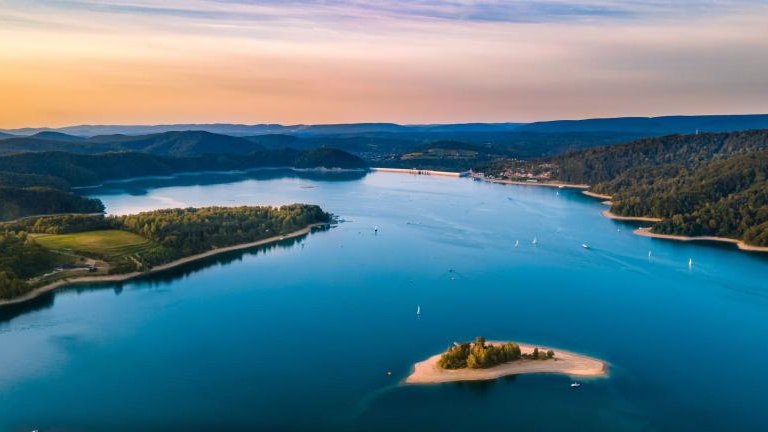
column 297, row 337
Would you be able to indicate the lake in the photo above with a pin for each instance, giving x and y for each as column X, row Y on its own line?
column 301, row 336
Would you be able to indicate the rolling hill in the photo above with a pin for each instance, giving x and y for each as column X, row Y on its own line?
column 180, row 144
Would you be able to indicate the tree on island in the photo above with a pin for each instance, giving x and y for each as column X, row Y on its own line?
column 479, row 355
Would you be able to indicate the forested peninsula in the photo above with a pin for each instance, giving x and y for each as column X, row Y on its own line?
column 708, row 184
column 49, row 251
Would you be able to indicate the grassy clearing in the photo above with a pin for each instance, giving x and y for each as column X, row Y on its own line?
column 121, row 250
column 107, row 244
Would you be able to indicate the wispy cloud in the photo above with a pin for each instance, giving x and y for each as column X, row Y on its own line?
column 333, row 11
column 68, row 61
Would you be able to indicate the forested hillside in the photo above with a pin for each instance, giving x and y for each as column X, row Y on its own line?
column 704, row 184
column 17, row 202
column 683, row 151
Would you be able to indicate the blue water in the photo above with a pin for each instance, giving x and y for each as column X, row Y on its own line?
column 295, row 337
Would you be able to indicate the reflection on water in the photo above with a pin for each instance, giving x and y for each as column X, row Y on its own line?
column 140, row 186
column 160, row 279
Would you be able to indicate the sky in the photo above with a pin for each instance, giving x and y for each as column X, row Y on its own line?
column 67, row 62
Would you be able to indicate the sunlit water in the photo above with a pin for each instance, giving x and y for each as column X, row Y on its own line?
column 299, row 337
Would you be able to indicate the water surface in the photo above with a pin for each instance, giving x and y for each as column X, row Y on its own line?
column 295, row 337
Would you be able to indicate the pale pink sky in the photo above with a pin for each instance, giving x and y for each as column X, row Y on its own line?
column 335, row 61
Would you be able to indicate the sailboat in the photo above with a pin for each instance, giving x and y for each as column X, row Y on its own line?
column 418, row 310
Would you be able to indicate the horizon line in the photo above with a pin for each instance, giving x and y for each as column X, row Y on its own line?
column 375, row 122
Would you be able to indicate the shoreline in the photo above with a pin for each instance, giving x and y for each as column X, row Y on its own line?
column 597, row 195
column 224, row 172
column 163, row 267
column 420, row 172
column 646, row 232
column 558, row 185
column 564, row 363
column 609, row 215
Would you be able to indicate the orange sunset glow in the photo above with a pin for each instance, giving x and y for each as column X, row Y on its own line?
column 64, row 63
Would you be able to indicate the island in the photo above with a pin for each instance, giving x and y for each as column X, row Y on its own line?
column 486, row 360
column 41, row 254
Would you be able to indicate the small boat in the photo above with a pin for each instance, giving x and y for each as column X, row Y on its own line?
column 575, row 385
column 517, row 243
column 690, row 263
column 557, row 193
column 585, row 246
column 649, row 254
column 418, row 310
column 535, row 241
column 376, row 229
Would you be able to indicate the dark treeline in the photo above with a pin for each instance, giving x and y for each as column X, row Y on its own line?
column 479, row 355
column 20, row 180
column 82, row 169
column 178, row 233
column 17, row 202
column 184, row 232
column 20, row 258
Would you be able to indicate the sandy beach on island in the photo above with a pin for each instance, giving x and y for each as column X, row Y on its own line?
column 565, row 363
column 646, row 232
column 127, row 276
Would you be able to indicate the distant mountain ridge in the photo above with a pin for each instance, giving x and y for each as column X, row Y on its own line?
column 650, row 126
column 262, row 129
column 182, row 144
column 57, row 136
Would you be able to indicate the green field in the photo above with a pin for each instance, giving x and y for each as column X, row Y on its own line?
column 107, row 244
